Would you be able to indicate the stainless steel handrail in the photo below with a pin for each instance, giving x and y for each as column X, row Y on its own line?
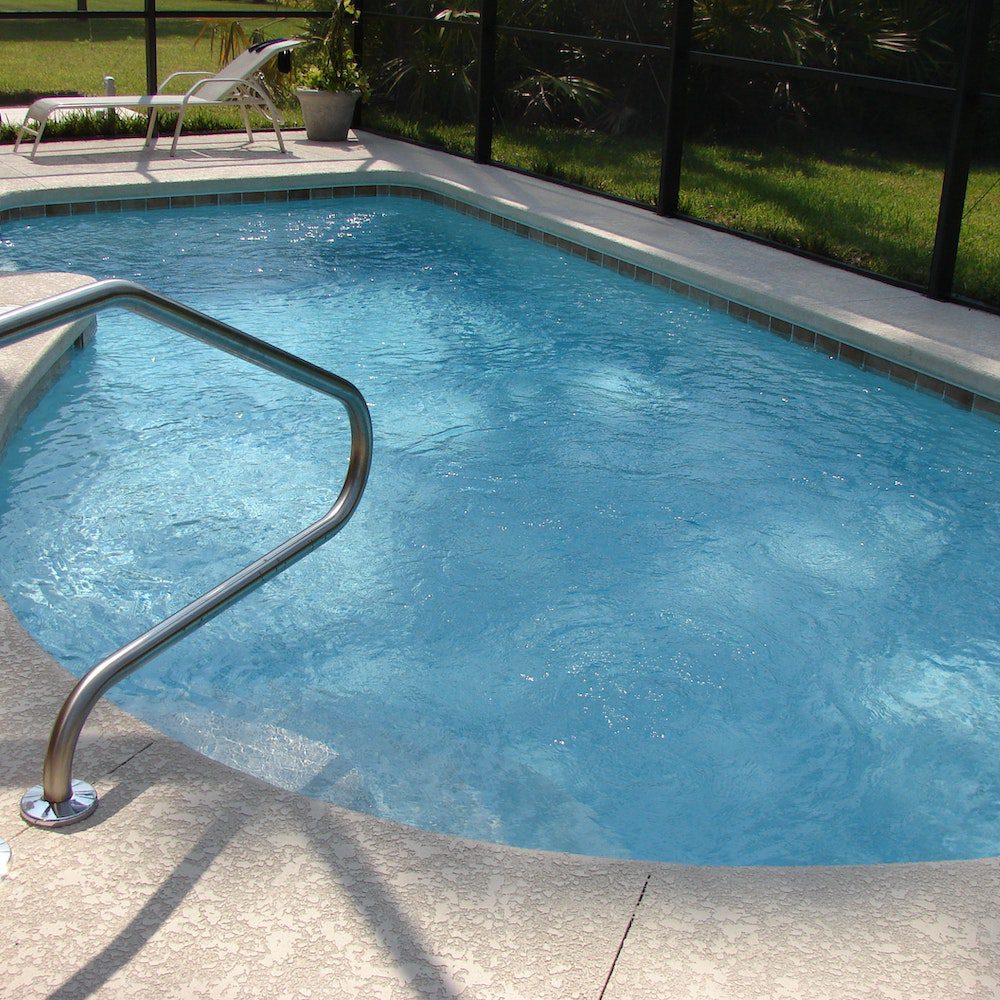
column 60, row 799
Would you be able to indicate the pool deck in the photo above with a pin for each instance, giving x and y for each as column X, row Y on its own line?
column 194, row 880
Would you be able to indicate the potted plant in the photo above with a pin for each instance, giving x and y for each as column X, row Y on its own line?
column 330, row 81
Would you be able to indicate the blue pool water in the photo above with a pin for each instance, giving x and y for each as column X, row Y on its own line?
column 629, row 578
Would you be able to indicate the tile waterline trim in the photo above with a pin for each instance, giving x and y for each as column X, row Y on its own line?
column 834, row 349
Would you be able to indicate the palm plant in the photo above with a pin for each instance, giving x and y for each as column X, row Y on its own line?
column 859, row 36
column 547, row 97
column 438, row 75
column 439, row 72
column 226, row 38
column 534, row 82
column 778, row 30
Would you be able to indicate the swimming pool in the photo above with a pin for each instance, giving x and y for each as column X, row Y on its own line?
column 628, row 579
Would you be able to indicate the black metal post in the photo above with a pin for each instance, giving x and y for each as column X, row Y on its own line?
column 487, row 79
column 676, row 97
column 359, row 50
column 152, row 76
column 960, row 148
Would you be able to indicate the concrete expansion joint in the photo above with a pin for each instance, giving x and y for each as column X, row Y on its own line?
column 131, row 757
column 621, row 944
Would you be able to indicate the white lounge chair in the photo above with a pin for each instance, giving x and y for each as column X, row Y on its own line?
column 238, row 84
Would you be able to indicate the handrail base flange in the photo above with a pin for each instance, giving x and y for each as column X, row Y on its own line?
column 38, row 811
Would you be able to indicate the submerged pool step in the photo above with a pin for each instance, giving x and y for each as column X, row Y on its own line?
column 521, row 801
column 278, row 756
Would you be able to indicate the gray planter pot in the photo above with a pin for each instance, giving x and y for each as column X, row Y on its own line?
column 327, row 115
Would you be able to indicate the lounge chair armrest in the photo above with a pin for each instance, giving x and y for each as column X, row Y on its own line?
column 203, row 73
column 191, row 92
column 248, row 82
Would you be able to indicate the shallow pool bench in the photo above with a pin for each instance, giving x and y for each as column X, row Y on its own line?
column 28, row 368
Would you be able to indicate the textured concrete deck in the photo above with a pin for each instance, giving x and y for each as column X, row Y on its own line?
column 194, row 880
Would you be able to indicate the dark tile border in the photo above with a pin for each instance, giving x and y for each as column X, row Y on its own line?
column 834, row 349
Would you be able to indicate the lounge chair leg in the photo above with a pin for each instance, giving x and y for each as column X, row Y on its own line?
column 246, row 122
column 281, row 142
column 150, row 137
column 38, row 135
column 177, row 131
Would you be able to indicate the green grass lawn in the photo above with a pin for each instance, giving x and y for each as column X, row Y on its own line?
column 58, row 57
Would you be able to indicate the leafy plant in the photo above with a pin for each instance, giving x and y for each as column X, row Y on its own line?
column 439, row 71
column 859, row 35
column 438, row 74
column 782, row 30
column 545, row 96
column 330, row 62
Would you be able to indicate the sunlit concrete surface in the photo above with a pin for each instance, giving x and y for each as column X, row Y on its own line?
column 193, row 880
